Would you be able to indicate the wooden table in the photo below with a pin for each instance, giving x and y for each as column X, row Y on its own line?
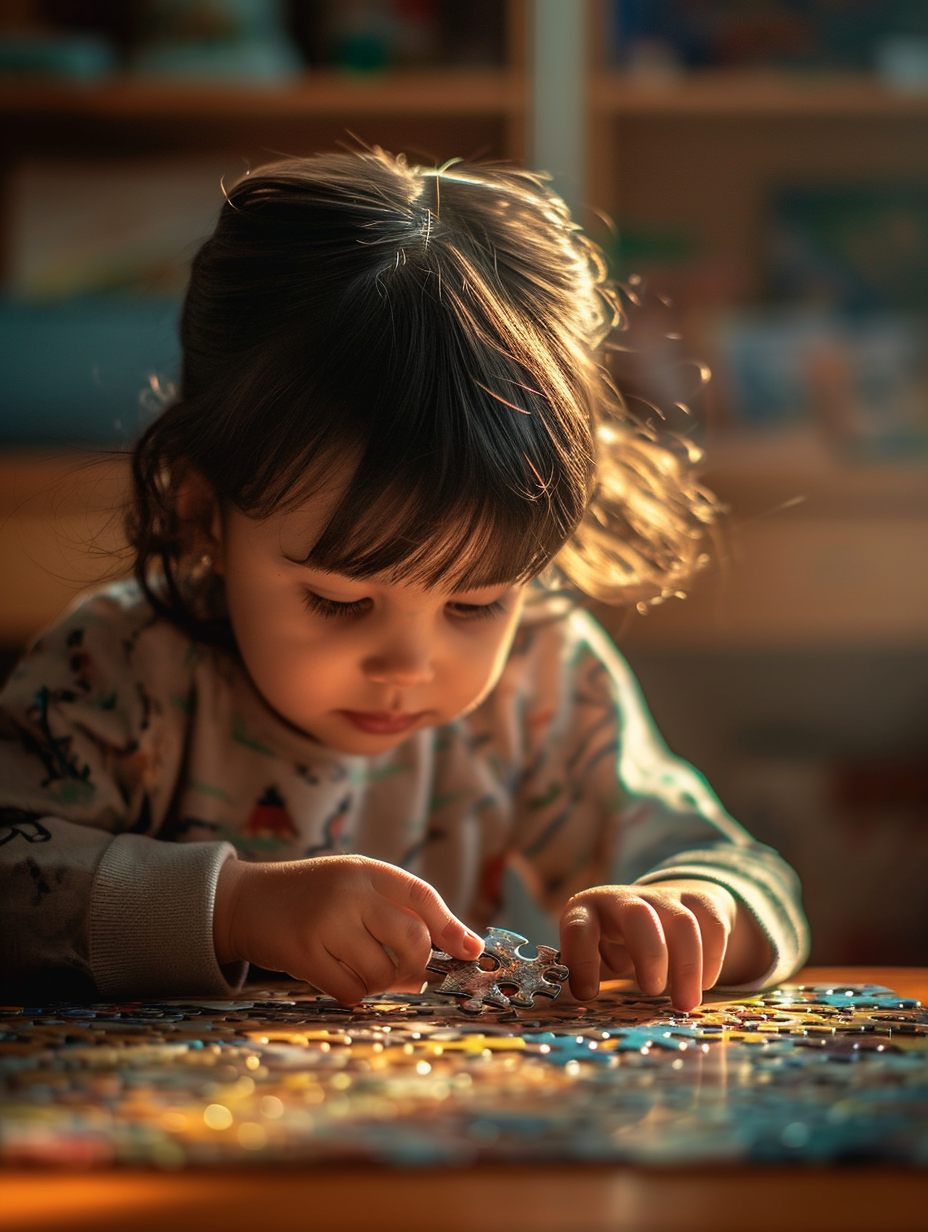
column 487, row 1199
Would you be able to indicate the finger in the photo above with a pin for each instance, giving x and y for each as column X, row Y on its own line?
column 445, row 929
column 580, row 936
column 336, row 979
column 363, row 967
column 616, row 960
column 644, row 938
column 402, row 983
column 404, row 934
column 715, row 932
column 684, row 946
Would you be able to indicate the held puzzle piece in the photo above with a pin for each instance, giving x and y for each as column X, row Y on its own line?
column 501, row 977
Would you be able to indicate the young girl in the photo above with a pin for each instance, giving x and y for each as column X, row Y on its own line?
column 335, row 719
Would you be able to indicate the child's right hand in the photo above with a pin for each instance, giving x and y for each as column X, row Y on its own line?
column 348, row 925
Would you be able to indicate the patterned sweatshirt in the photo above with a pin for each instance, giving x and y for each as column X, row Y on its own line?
column 134, row 761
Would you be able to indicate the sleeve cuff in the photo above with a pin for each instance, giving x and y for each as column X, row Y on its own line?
column 151, row 930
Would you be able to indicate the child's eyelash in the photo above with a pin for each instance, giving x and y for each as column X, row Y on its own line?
column 477, row 611
column 331, row 607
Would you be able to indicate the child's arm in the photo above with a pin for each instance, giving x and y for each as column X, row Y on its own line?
column 349, row 925
column 124, row 915
column 91, row 740
column 658, row 880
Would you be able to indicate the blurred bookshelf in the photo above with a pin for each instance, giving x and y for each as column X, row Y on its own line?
column 759, row 167
column 447, row 92
column 434, row 79
column 714, row 148
column 115, row 118
column 764, row 167
column 757, row 94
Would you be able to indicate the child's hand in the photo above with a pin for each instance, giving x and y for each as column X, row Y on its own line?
column 674, row 935
column 346, row 924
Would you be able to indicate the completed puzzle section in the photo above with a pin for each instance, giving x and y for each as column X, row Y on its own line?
column 801, row 1074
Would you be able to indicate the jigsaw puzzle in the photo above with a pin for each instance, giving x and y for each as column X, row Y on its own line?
column 798, row 1074
column 502, row 977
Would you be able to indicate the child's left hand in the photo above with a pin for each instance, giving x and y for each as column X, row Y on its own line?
column 679, row 936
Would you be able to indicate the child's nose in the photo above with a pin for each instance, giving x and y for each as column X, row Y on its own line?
column 407, row 662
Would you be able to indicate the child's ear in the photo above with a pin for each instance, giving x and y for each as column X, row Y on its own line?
column 199, row 513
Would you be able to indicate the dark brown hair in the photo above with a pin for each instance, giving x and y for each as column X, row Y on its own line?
column 435, row 336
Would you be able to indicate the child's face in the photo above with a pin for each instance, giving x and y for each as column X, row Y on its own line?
column 358, row 665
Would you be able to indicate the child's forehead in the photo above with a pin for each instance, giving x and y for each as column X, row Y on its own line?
column 296, row 528
column 291, row 528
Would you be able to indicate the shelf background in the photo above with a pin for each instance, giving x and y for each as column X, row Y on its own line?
column 801, row 657
column 425, row 113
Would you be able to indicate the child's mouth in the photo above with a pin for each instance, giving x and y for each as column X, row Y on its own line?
column 381, row 723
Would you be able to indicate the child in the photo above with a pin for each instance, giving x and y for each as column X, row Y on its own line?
column 334, row 720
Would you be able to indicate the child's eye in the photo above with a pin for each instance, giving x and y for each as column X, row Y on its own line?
column 332, row 607
column 476, row 611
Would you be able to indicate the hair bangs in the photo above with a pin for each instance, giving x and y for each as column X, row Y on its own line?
column 457, row 457
column 473, row 545
column 464, row 530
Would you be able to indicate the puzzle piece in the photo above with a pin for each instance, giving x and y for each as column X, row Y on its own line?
column 501, row 977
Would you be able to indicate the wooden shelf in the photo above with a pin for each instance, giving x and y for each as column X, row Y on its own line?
column 60, row 532
column 753, row 95
column 815, row 551
column 466, row 92
column 431, row 115
column 766, row 475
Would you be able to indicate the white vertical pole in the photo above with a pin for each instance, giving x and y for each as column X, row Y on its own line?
column 557, row 96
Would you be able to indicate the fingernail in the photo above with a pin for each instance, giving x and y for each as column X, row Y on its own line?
column 474, row 942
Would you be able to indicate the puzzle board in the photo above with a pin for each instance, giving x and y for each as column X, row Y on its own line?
column 807, row 1074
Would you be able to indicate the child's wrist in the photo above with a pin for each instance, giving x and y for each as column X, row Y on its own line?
column 224, row 904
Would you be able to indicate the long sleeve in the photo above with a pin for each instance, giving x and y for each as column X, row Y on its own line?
column 605, row 802
column 90, row 743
